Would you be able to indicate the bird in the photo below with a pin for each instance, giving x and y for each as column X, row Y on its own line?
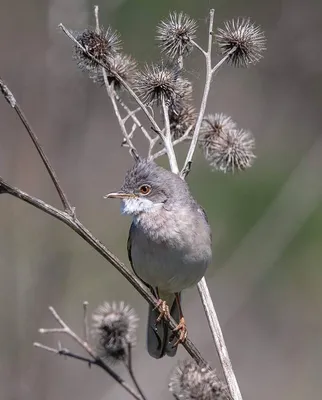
column 169, row 245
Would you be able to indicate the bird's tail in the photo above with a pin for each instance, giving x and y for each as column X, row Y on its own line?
column 158, row 333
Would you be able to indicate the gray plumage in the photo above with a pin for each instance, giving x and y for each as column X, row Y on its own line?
column 169, row 243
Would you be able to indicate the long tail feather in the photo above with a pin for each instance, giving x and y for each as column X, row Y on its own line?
column 158, row 333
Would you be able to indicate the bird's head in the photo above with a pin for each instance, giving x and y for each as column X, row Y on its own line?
column 148, row 187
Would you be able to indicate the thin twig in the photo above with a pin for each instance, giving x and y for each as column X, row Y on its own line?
column 168, row 140
column 95, row 359
column 111, row 93
column 187, row 165
column 127, row 87
column 8, row 95
column 65, row 352
column 132, row 114
column 181, row 139
column 199, row 47
column 124, row 83
column 129, row 367
column 85, row 320
column 84, row 233
column 202, row 285
column 218, row 338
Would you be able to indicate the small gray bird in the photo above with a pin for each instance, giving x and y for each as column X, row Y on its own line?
column 169, row 245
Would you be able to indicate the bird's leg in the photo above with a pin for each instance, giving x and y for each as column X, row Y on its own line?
column 163, row 307
column 181, row 327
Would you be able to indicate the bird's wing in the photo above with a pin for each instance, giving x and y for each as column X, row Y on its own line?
column 129, row 245
column 129, row 254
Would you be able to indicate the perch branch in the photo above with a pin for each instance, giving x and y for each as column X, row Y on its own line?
column 85, row 234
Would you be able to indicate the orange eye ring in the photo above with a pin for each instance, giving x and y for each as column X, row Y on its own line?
column 145, row 189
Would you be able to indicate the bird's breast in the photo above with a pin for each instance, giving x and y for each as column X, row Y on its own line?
column 170, row 250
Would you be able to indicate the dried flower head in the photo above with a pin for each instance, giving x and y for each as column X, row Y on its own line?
column 225, row 147
column 190, row 382
column 213, row 125
column 247, row 39
column 101, row 46
column 120, row 65
column 175, row 35
column 181, row 118
column 160, row 82
column 114, row 327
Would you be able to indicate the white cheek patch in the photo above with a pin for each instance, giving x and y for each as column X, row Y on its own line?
column 134, row 206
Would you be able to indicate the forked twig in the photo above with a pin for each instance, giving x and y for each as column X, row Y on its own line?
column 93, row 359
column 15, row 105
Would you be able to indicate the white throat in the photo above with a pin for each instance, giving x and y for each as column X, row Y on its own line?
column 138, row 205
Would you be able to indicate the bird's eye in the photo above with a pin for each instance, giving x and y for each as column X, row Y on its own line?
column 145, row 189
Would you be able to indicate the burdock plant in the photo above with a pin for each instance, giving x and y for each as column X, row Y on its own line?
column 163, row 94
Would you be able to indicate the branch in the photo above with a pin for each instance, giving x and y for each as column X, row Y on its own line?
column 93, row 360
column 184, row 137
column 207, row 302
column 124, row 83
column 84, row 233
column 8, row 95
column 167, row 139
column 218, row 338
column 129, row 367
column 187, row 165
column 155, row 126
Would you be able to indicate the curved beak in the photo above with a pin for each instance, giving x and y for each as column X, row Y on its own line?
column 118, row 195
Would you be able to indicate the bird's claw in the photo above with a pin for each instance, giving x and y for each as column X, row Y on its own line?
column 164, row 310
column 182, row 328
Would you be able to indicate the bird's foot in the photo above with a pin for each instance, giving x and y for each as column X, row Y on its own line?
column 182, row 328
column 164, row 310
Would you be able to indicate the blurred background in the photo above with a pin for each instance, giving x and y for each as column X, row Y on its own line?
column 267, row 222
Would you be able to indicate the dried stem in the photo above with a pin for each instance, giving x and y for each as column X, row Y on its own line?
column 218, row 338
column 202, row 285
column 184, row 137
column 85, row 320
column 167, row 139
column 8, row 95
column 129, row 367
column 187, row 165
column 94, row 360
column 155, row 126
column 111, row 93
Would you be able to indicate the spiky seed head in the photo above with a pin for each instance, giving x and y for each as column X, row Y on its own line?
column 101, row 46
column 114, row 328
column 189, row 381
column 175, row 35
column 247, row 39
column 121, row 65
column 181, row 118
column 157, row 82
column 224, row 146
column 213, row 125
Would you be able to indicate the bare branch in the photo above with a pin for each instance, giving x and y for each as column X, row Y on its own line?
column 129, row 367
column 95, row 360
column 8, row 95
column 168, row 140
column 187, row 165
column 85, row 320
column 184, row 137
column 219, row 339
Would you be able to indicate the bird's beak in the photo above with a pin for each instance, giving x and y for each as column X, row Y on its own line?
column 118, row 195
